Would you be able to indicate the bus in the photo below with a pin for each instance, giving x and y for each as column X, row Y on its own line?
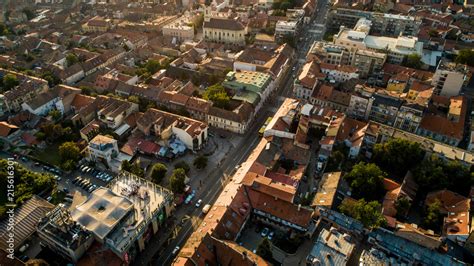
column 264, row 126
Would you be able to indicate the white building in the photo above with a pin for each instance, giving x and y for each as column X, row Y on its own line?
column 181, row 29
column 102, row 148
column 339, row 73
column 449, row 78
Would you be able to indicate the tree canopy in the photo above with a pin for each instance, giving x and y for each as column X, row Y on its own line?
column 465, row 56
column 218, row 95
column 413, row 61
column 158, row 172
column 177, row 181
column 433, row 217
column 366, row 181
column 398, row 155
column 368, row 213
column 264, row 249
column 71, row 59
column 70, row 154
column 183, row 165
column 435, row 173
column 9, row 82
column 200, row 162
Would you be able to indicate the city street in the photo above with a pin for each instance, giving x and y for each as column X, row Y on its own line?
column 187, row 218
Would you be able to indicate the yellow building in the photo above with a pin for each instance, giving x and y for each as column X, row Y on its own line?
column 96, row 24
column 224, row 30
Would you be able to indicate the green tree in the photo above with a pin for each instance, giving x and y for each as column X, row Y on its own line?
column 152, row 66
column 55, row 114
column 465, row 56
column 177, row 181
column 86, row 90
column 433, row 217
column 402, row 205
column 183, row 165
column 158, row 172
column 368, row 213
column 51, row 78
column 218, row 95
column 433, row 33
column 9, row 82
column 413, row 61
column 137, row 170
column 366, row 181
column 264, row 249
column 71, row 59
column 134, row 99
column 3, row 30
column 126, row 166
column 70, row 155
column 200, row 162
column 398, row 155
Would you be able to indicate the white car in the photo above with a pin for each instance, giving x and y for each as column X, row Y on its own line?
column 198, row 203
column 175, row 251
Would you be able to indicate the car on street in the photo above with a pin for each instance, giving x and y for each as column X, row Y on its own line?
column 175, row 251
column 265, row 232
column 49, row 198
column 198, row 203
column 271, row 235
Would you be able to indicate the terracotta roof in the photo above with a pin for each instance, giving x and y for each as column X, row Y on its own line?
column 310, row 73
column 270, row 187
column 456, row 207
column 6, row 129
column 414, row 73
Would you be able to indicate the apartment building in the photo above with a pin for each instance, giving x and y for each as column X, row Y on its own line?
column 449, row 78
column 409, row 117
column 102, row 148
column 181, row 29
column 224, row 30
column 384, row 108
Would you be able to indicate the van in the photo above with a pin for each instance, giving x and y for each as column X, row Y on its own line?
column 206, row 208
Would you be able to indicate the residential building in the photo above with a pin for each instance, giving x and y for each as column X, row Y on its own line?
column 360, row 103
column 327, row 95
column 237, row 120
column 224, row 30
column 327, row 190
column 409, row 117
column 329, row 53
column 307, row 80
column 447, row 128
column 116, row 217
column 383, row 23
column 28, row 89
column 62, row 235
column 97, row 24
column 397, row 48
column 368, row 62
column 58, row 98
column 286, row 29
column 167, row 126
column 339, row 73
column 456, row 225
column 384, row 108
column 102, row 148
column 332, row 247
column 181, row 29
column 112, row 112
column 449, row 78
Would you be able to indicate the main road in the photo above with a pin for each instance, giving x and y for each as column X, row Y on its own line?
column 189, row 218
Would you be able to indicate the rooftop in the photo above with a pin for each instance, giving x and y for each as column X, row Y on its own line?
column 331, row 248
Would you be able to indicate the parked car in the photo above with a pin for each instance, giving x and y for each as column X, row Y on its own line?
column 198, row 203
column 66, row 190
column 270, row 235
column 175, row 251
column 265, row 232
column 49, row 198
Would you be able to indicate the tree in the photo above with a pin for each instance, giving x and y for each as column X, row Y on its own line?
column 71, row 59
column 177, row 181
column 264, row 249
column 200, row 162
column 433, row 33
column 137, row 170
column 126, row 166
column 398, row 155
column 9, row 82
column 158, row 172
column 52, row 79
column 218, row 95
column 413, row 61
column 152, row 66
column 29, row 14
column 55, row 114
column 432, row 219
column 366, row 181
column 465, row 56
column 3, row 29
column 368, row 213
column 87, row 90
column 134, row 99
column 183, row 165
column 70, row 154
column 402, row 205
